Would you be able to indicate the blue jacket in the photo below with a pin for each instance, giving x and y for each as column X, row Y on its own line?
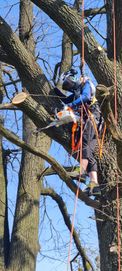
column 83, row 94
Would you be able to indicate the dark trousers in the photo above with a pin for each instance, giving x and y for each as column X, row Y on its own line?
column 89, row 142
column 89, row 137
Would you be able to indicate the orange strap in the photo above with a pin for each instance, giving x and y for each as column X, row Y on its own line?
column 95, row 126
column 75, row 146
column 102, row 141
column 74, row 127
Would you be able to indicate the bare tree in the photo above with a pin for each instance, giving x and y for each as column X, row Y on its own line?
column 40, row 109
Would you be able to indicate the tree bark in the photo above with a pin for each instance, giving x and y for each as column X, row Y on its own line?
column 32, row 76
column 25, row 244
column 2, row 209
column 114, row 12
column 107, row 226
column 4, row 230
column 62, row 206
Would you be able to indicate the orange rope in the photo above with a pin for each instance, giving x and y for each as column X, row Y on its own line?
column 77, row 193
column 78, row 183
column 81, row 143
column 115, row 105
column 73, row 220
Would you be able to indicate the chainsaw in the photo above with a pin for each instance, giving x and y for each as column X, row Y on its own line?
column 62, row 117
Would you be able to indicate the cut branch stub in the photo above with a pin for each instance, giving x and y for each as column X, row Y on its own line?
column 19, row 98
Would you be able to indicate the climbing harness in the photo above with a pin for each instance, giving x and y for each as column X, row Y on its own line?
column 99, row 128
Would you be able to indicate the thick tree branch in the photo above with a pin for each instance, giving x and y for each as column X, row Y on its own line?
column 57, row 167
column 4, row 57
column 23, row 60
column 24, row 241
column 105, row 95
column 117, row 12
column 70, row 21
column 62, row 206
column 41, row 118
column 95, row 56
column 29, row 71
column 66, row 59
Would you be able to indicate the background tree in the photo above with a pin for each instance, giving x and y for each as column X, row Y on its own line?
column 21, row 252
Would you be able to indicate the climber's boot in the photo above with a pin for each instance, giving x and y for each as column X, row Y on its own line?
column 92, row 189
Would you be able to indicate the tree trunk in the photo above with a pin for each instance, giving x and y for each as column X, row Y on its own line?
column 2, row 208
column 107, row 219
column 24, row 244
column 4, row 231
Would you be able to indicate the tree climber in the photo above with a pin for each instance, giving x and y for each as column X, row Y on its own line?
column 83, row 94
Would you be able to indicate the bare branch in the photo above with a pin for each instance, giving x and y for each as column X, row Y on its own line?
column 8, row 73
column 95, row 11
column 57, row 167
column 9, row 106
column 73, row 172
column 62, row 206
column 89, row 22
column 59, row 12
column 10, row 83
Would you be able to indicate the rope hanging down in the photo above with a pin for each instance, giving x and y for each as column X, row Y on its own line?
column 77, row 193
column 81, row 131
column 100, row 145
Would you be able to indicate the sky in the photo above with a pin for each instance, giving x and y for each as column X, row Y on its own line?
column 49, row 48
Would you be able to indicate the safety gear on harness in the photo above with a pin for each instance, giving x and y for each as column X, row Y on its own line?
column 69, row 80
